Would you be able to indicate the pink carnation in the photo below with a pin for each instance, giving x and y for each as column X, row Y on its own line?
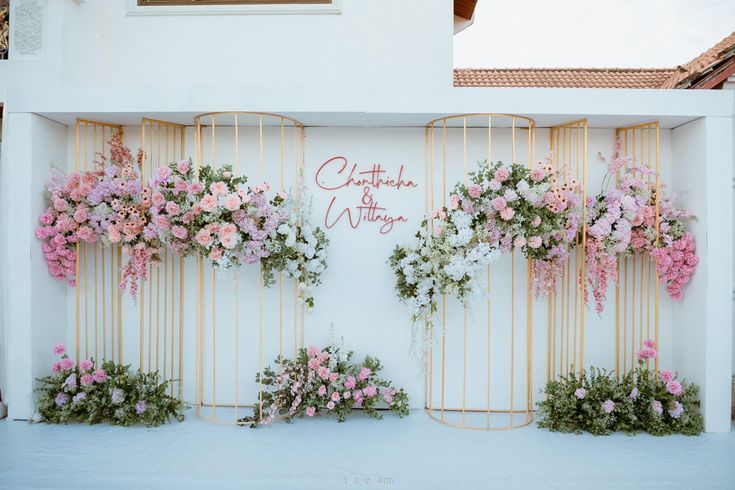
column 350, row 383
column 86, row 365
column 364, row 373
column 474, row 191
column 87, row 379
column 99, row 375
column 59, row 349
column 507, row 214
column 499, row 203
column 66, row 363
column 502, row 174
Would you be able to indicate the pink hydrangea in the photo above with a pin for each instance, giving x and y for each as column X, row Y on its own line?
column 580, row 393
column 608, row 406
column 507, row 213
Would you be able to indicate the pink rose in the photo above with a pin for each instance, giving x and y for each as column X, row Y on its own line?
column 336, row 396
column 179, row 232
column 157, row 199
column 282, row 195
column 347, row 395
column 59, row 349
column 182, row 166
column 172, row 208
column 99, row 375
column 204, row 238
column 538, row 174
column 218, row 188
column 86, row 365
column 322, row 390
column 313, row 351
column 333, row 377
column 534, row 242
column 208, row 202
column 195, row 188
column 113, row 234
column 350, row 383
column 499, row 203
column 228, row 229
column 474, row 191
column 330, row 405
column 216, row 254
column 507, row 214
column 370, row 391
column 310, row 411
column 164, row 173
column 502, row 174
column 231, row 202
column 364, row 373
column 162, row 222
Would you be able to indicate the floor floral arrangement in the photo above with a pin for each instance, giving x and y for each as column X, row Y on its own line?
column 112, row 393
column 642, row 400
column 503, row 208
column 210, row 212
column 324, row 381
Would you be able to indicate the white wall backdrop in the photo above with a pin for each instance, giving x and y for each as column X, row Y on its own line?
column 357, row 297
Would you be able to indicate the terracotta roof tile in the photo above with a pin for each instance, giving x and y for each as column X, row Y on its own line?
column 562, row 77
column 687, row 74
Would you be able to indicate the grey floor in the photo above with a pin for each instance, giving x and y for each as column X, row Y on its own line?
column 415, row 452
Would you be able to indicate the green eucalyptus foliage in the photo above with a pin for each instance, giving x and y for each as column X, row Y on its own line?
column 98, row 404
column 633, row 395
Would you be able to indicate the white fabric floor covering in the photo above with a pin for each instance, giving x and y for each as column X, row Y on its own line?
column 319, row 453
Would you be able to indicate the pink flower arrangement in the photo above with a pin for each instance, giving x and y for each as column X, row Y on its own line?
column 324, row 380
column 114, row 392
column 622, row 220
column 105, row 204
column 215, row 217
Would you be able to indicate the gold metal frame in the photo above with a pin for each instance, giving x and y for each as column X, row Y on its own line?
column 637, row 279
column 163, row 143
column 284, row 131
column 442, row 412
column 91, row 292
column 566, row 306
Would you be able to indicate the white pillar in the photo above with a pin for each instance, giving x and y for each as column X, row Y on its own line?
column 33, row 303
column 702, row 154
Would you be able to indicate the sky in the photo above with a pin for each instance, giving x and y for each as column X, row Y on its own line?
column 591, row 33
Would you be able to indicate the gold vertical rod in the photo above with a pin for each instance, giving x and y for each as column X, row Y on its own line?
column 95, row 247
column 464, row 340
column 444, row 297
column 584, row 246
column 658, row 222
column 512, row 329
column 86, row 254
column 76, row 272
column 237, row 296
column 260, row 279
